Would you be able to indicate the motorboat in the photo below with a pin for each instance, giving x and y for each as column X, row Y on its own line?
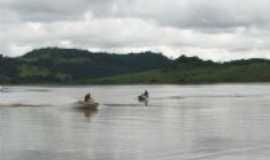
column 87, row 105
column 142, row 98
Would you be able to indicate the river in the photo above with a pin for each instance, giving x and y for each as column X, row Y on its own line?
column 181, row 122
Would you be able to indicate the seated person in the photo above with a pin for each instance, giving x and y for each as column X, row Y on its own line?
column 87, row 97
column 146, row 94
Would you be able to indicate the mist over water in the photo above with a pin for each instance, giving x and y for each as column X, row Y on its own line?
column 190, row 122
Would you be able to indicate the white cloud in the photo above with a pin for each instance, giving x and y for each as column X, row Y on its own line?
column 218, row 30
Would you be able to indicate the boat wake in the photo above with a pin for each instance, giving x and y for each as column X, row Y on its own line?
column 23, row 105
column 208, row 96
column 128, row 105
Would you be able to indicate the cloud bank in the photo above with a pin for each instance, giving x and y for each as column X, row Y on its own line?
column 219, row 30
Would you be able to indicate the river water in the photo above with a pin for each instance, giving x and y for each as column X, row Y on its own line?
column 181, row 122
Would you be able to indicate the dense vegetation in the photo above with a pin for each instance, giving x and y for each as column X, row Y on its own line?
column 55, row 65
column 73, row 66
column 194, row 70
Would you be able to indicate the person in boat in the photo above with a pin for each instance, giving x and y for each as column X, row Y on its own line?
column 146, row 94
column 144, row 97
column 87, row 97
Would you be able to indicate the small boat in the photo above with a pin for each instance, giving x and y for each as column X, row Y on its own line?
column 88, row 105
column 142, row 98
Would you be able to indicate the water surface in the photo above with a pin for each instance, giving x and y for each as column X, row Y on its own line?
column 191, row 122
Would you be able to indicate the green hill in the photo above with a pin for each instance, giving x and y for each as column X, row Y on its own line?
column 74, row 66
column 56, row 65
column 193, row 70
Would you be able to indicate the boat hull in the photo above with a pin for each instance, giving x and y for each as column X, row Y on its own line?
column 142, row 98
column 87, row 105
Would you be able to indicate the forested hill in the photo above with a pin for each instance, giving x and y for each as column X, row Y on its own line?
column 56, row 65
column 74, row 66
column 185, row 70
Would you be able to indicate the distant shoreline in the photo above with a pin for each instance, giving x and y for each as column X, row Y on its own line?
column 56, row 66
column 128, row 84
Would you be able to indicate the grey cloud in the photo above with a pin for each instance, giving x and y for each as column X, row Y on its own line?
column 50, row 10
column 219, row 29
column 197, row 14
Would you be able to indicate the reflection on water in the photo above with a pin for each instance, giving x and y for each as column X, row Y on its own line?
column 22, row 105
column 86, row 112
column 37, row 90
column 124, row 105
column 191, row 122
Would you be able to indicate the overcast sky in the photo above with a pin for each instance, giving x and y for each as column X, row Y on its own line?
column 211, row 29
